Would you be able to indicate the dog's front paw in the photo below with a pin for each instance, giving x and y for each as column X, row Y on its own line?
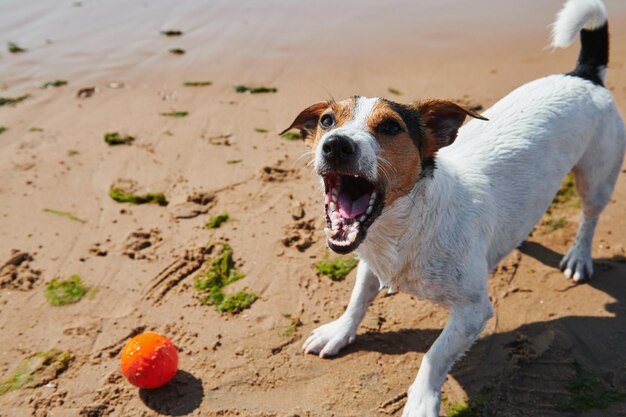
column 329, row 339
column 577, row 264
column 421, row 404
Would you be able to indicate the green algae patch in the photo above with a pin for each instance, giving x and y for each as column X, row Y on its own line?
column 254, row 90
column 475, row 407
column 177, row 114
column 36, row 370
column 234, row 161
column 177, row 51
column 552, row 224
column 6, row 101
column 54, row 84
column 217, row 221
column 72, row 152
column 35, row 129
column 197, row 83
column 115, row 138
column 123, row 197
column 291, row 136
column 172, row 32
column 260, row 130
column 15, row 48
column 60, row 292
column 65, row 214
column 211, row 283
column 587, row 391
column 394, row 91
column 294, row 324
column 3, row 129
column 336, row 269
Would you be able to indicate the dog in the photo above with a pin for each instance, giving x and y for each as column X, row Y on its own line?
column 431, row 207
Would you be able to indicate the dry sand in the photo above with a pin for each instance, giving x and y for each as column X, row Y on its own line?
column 141, row 259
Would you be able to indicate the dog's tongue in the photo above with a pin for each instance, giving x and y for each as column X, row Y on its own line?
column 349, row 209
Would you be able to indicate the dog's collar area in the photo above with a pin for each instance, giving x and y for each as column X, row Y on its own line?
column 352, row 204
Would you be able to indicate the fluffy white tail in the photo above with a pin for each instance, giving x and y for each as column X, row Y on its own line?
column 575, row 16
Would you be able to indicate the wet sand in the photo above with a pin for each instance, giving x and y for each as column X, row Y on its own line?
column 245, row 364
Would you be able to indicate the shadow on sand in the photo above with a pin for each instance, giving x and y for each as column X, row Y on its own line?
column 529, row 369
column 179, row 397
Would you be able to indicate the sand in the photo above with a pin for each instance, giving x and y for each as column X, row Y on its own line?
column 140, row 261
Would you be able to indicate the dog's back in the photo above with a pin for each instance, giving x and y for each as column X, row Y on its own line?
column 541, row 131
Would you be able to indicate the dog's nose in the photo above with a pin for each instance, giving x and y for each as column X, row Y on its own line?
column 338, row 148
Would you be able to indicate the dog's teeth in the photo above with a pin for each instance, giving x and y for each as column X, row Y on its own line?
column 369, row 210
column 331, row 207
column 362, row 218
column 335, row 215
column 329, row 232
column 352, row 236
column 373, row 195
column 335, row 192
column 356, row 224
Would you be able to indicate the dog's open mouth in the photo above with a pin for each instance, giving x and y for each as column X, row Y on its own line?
column 352, row 205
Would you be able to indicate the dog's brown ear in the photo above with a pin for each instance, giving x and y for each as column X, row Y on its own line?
column 307, row 120
column 442, row 120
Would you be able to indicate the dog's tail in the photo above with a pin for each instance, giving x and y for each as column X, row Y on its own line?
column 589, row 18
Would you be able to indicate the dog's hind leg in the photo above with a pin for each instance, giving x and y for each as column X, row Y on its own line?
column 595, row 175
column 330, row 338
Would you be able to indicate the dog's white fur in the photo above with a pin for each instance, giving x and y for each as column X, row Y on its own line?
column 489, row 189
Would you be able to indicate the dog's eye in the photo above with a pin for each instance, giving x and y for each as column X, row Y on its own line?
column 327, row 121
column 389, row 127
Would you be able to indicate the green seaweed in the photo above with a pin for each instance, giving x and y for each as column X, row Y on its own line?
column 338, row 268
column 3, row 129
column 178, row 114
column 177, row 51
column 260, row 130
column 72, row 152
column 587, row 391
column 254, row 90
column 197, row 83
column 566, row 191
column 60, row 292
column 291, row 136
column 552, row 224
column 168, row 133
column 37, row 369
column 234, row 161
column 217, row 221
column 123, row 197
column 394, row 91
column 5, row 101
column 35, row 129
column 15, row 48
column 475, row 407
column 114, row 138
column 220, row 274
column 65, row 214
column 294, row 324
column 171, row 32
column 54, row 84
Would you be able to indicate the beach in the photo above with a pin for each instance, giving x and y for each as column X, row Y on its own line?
column 211, row 150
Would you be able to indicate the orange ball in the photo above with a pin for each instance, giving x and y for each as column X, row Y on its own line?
column 149, row 360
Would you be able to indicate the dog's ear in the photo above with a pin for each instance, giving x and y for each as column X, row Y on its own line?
column 442, row 120
column 307, row 120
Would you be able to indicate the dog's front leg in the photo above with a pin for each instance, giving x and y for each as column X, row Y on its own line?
column 466, row 323
column 330, row 338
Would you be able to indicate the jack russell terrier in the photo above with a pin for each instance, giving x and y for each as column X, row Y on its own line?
column 432, row 207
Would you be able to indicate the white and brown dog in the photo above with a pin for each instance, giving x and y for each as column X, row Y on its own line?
column 431, row 207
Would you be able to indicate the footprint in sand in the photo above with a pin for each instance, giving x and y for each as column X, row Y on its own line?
column 17, row 274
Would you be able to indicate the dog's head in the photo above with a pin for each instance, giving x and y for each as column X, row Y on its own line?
column 371, row 151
